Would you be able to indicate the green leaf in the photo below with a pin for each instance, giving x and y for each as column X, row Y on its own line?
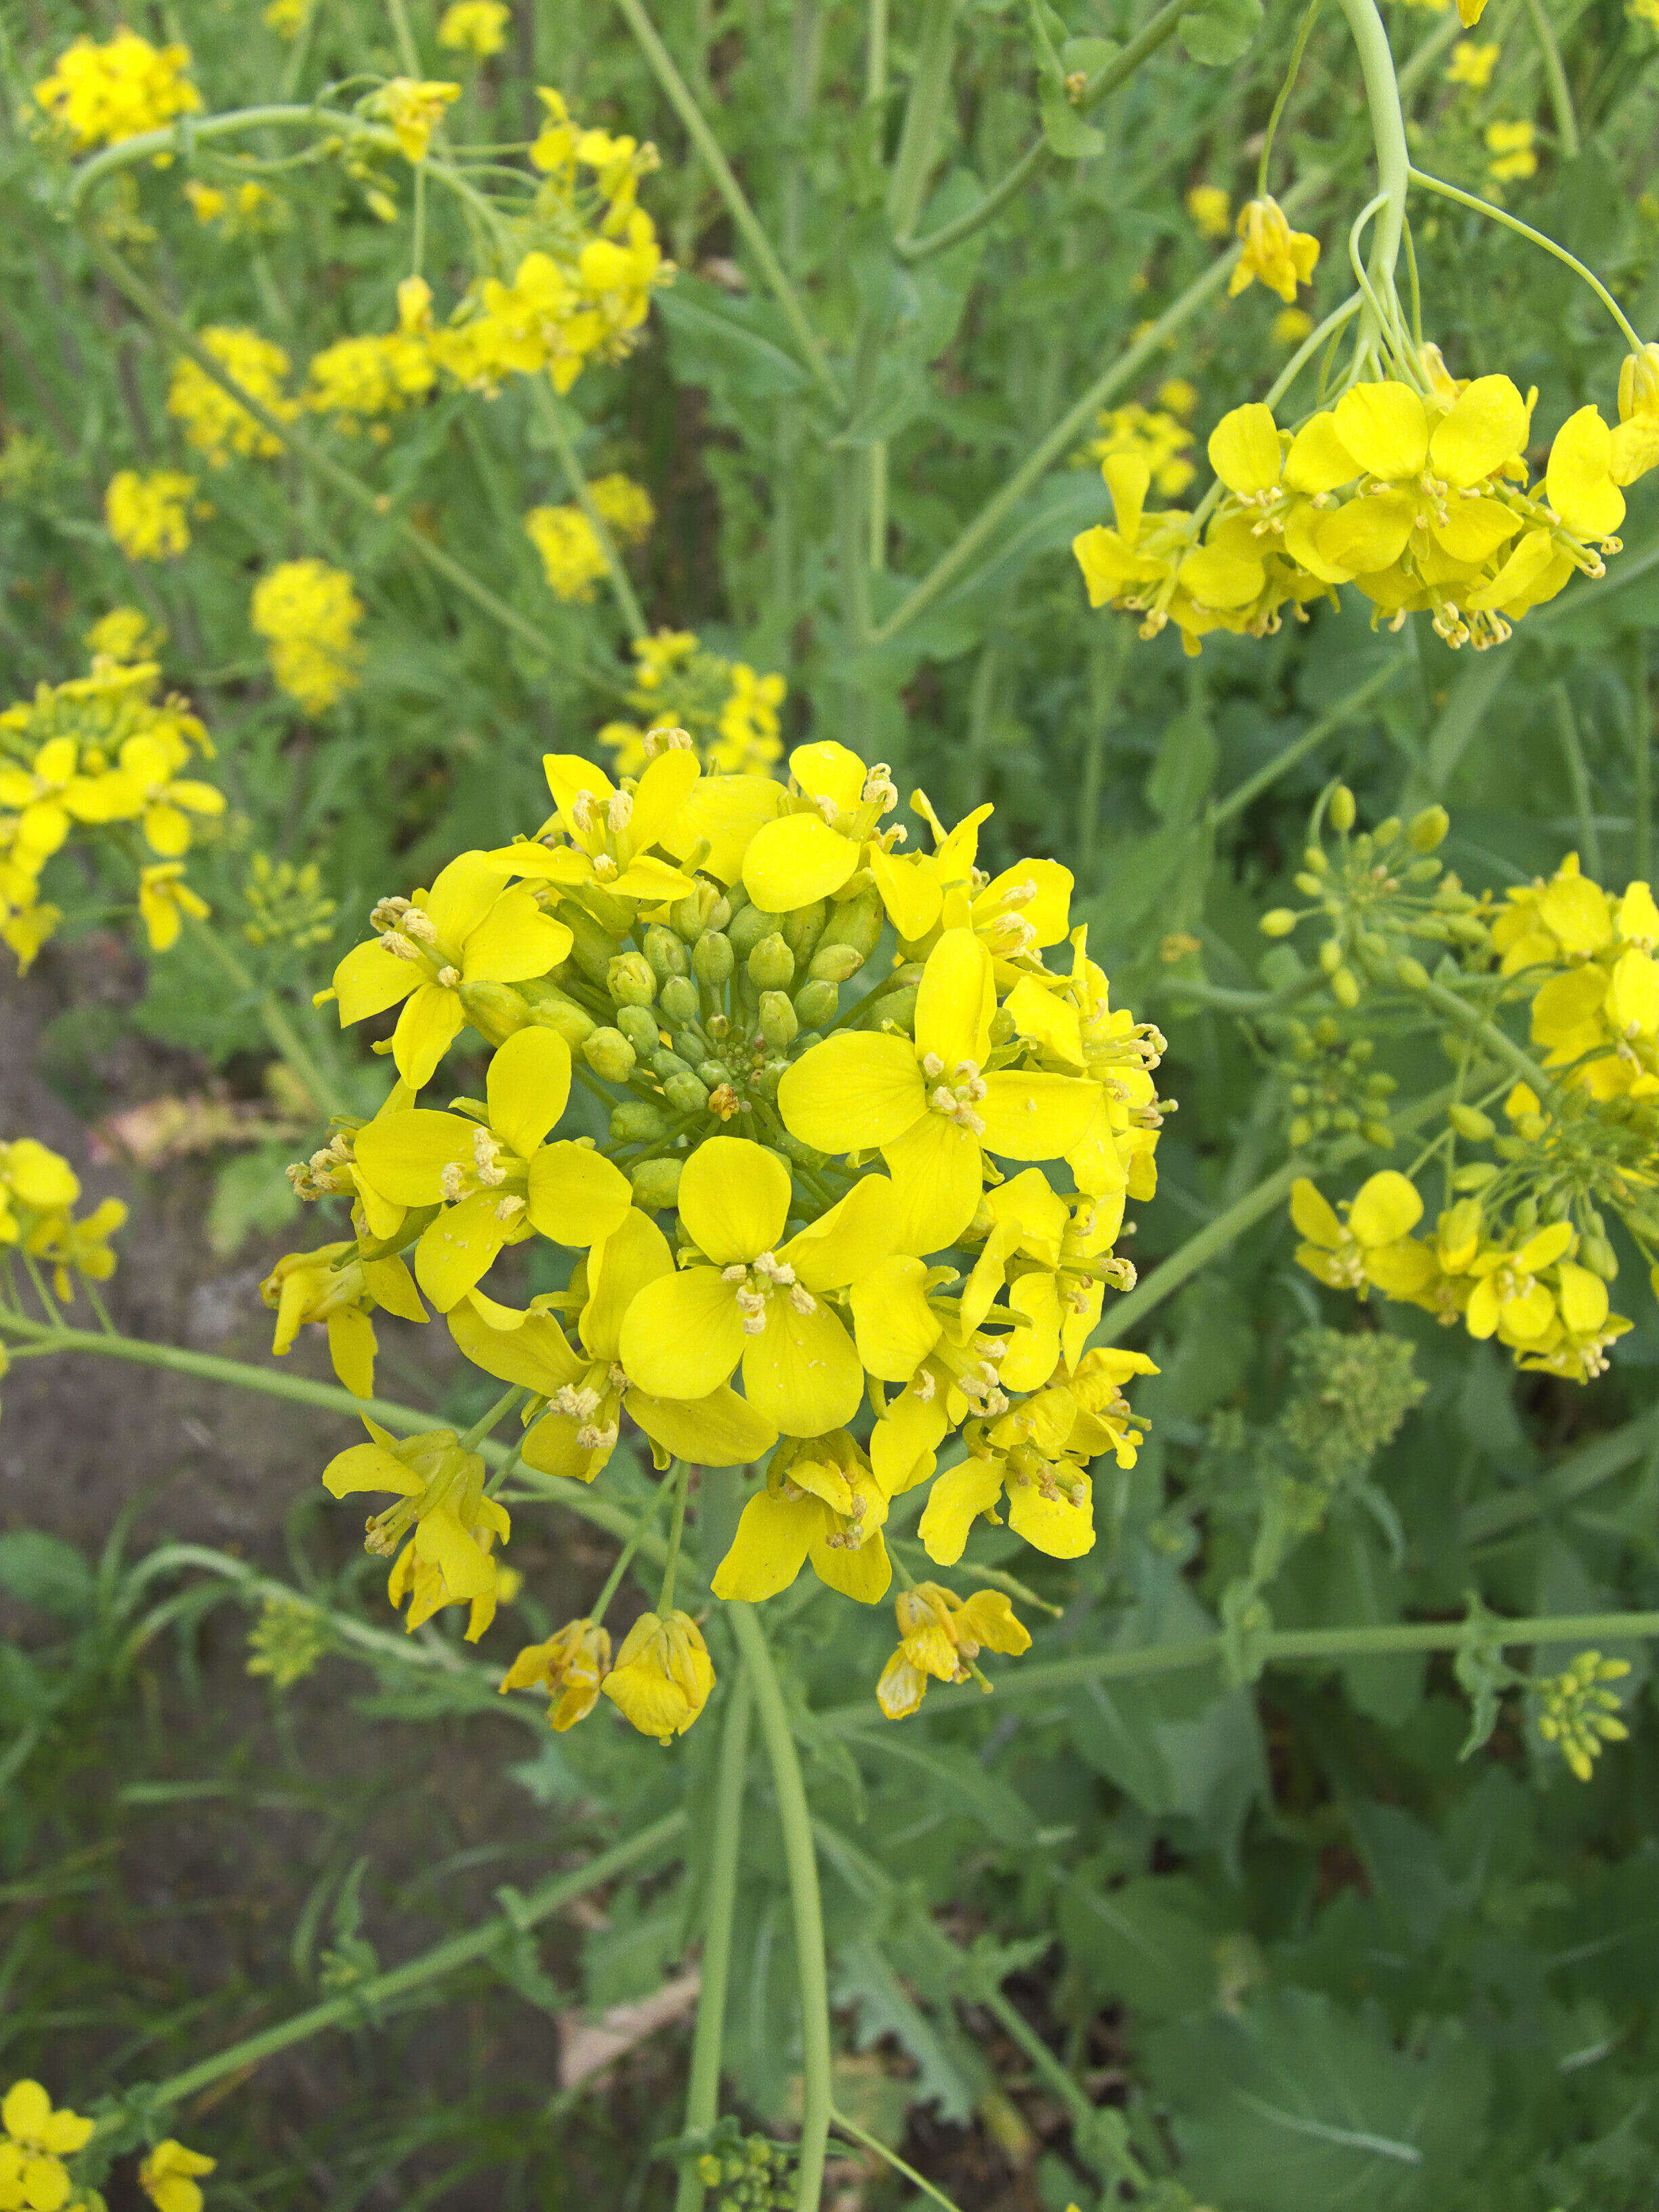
column 1149, row 1944
column 1064, row 130
column 252, row 1196
column 714, row 338
column 866, row 1982
column 1296, row 2105
column 1188, row 756
column 1219, row 31
column 43, row 1570
column 997, row 1806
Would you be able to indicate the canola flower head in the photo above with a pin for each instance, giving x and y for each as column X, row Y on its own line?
column 475, row 27
column 572, row 559
column 169, row 2176
column 213, row 422
column 308, row 614
column 148, row 512
column 414, row 107
column 102, row 92
column 1579, row 1714
column 1273, row 254
column 845, row 1213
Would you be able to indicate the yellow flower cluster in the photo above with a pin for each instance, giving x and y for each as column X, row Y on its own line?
column 1416, row 497
column 34, row 2148
column 475, row 27
column 232, row 211
column 98, row 751
column 214, row 423
column 890, row 1215
column 356, row 378
column 308, row 614
column 1473, row 63
column 1579, row 1714
column 565, row 539
column 413, row 106
column 940, row 1637
column 1157, row 435
column 727, row 710
column 147, row 512
column 102, row 93
column 1513, row 153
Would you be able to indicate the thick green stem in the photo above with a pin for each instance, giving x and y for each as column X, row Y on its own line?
column 350, row 2008
column 1566, row 122
column 678, row 96
column 801, row 1862
column 702, row 2094
column 550, row 409
column 1480, row 1030
column 924, row 113
column 1392, row 156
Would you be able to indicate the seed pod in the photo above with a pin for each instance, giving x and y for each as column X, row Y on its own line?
column 594, row 950
column 609, row 1053
column 656, row 1183
column 1342, row 809
column 639, row 1026
column 667, row 956
column 712, row 960
column 629, row 980
column 748, row 926
column 1469, row 1121
column 635, row 1122
column 678, row 1000
column 771, row 964
column 778, row 1022
column 685, row 1093
column 816, row 1003
column 549, row 1009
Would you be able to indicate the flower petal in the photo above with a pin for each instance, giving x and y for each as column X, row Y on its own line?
column 576, row 1196
column 536, row 1353
column 801, row 1371
column 515, row 941
column 1386, row 1207
column 956, row 1002
column 954, row 1504
column 462, row 894
column 1386, row 427
column 1035, row 1116
column 791, row 862
column 852, row 1091
column 459, row 1248
column 938, row 1170
column 854, row 1236
column 660, row 793
column 683, row 1335
column 728, row 810
column 1244, row 449
column 1579, row 479
column 734, row 1198
column 403, row 1156
column 1053, row 1525
column 634, row 1254
column 429, row 1025
column 370, row 979
column 769, row 1548
column 894, row 1326
column 721, row 1429
column 527, row 1087
column 1488, row 425
column 910, row 891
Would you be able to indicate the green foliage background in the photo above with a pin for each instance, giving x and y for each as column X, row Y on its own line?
column 1309, row 1956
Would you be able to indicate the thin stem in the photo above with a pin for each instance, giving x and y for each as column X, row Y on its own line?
column 682, row 1482
column 875, row 50
column 319, row 1087
column 850, row 2129
column 47, row 1305
column 801, row 1862
column 1566, row 726
column 1310, row 346
column 1641, row 745
column 1388, row 130
column 1246, row 793
column 1566, row 122
column 647, row 1520
column 485, row 1422
column 349, row 2008
column 1487, row 1033
column 1537, row 237
column 1592, row 1463
column 404, row 38
column 551, row 411
column 1285, row 92
column 743, row 215
column 924, row 113
column 182, row 137
column 702, row 2093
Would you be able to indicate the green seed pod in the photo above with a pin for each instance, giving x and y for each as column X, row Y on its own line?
column 549, row 1009
column 816, row 1004
column 679, row 1002
column 1428, row 829
column 747, row 927
column 712, row 960
column 639, row 1026
column 635, row 1122
column 685, row 1093
column 629, row 980
column 1342, row 809
column 1345, row 987
column 771, row 964
column 667, row 956
column 1412, row 973
column 1475, row 1175
column 495, row 1009
column 779, row 1023
column 802, row 928
column 609, row 1053
column 1469, row 1121
column 656, row 1183
column 1278, row 921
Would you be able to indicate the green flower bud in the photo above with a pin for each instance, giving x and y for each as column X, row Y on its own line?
column 747, row 927
column 1428, row 829
column 1469, row 1121
column 1327, row 1031
column 714, row 1073
column 666, row 1064
column 771, row 964
column 1278, row 921
column 1345, row 1121
column 635, row 1122
column 835, row 963
column 1342, row 809
column 1524, row 1220
column 817, row 1003
column 779, row 1024
column 639, row 1026
column 1599, row 1256
column 1372, row 945
column 1330, row 957
column 1412, row 973
column 897, row 1009
column 712, row 960
column 495, row 1009
column 1474, row 1176
column 1299, row 1131
column 679, row 1002
column 1314, row 858
column 1378, row 1133
column 1422, row 871
column 609, row 1053
column 685, row 1093
column 549, row 1009
column 807, row 1155
column 1387, row 831
column 767, row 1076
column 1310, row 885
column 857, row 924
column 656, row 1183
column 702, row 909
column 1345, row 987
column 667, row 956
column 802, row 928
column 594, row 950
column 629, row 980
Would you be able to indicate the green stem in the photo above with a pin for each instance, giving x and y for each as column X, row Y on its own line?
column 702, row 2094
column 1388, row 130
column 180, row 138
column 743, row 215
column 278, row 1028
column 1566, row 725
column 1537, row 238
column 801, row 1862
column 485, row 1422
column 875, row 50
column 1157, row 33
column 924, row 113
column 550, row 409
column 1285, row 91
column 1246, row 793
column 1479, row 1028
column 349, row 2008
column 855, row 2133
column 613, row 1580
column 1566, row 122
column 1641, row 743
column 682, row 1482
column 404, row 38
column 1592, row 1463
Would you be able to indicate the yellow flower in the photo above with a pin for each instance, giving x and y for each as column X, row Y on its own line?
column 414, row 107
column 571, row 1667
column 1469, row 12
column 822, row 1501
column 1472, row 63
column 145, row 514
column 1508, row 1295
column 288, row 18
column 1636, row 440
column 749, row 727
column 469, row 929
column 662, row 1676
column 1211, row 210
column 611, row 831
column 52, row 793
column 125, row 634
column 167, row 2176
column 214, row 423
column 572, row 559
column 309, row 613
column 1510, row 144
column 1644, row 11
column 475, row 27
column 335, row 1286
column 941, row 1636
column 164, row 898
column 101, row 95
column 356, row 378
column 1279, row 256
column 931, row 1105
column 1373, row 1246
column 36, row 2142
column 1291, row 326
column 1178, row 396
column 448, row 1559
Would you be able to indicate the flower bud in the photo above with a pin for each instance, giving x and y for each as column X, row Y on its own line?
column 495, row 1009
column 629, row 980
column 1475, row 1176
column 705, row 909
column 1428, row 829
column 1310, row 885
column 712, row 960
column 639, row 1026
column 634, row 1121
column 1342, row 809
column 656, row 1183
column 802, row 928
column 685, row 1093
column 1345, row 987
column 767, row 1076
column 1278, row 921
column 679, row 1002
column 835, row 964
column 1469, row 1121
column 1638, row 383
column 594, row 949
column 857, row 925
column 816, row 1003
column 1330, row 955
column 1377, row 1133
column 1299, row 1132
column 778, row 1022
column 897, row 1009
column 667, row 956
column 666, row 1063
column 715, row 1073
column 1599, row 1256
column 747, row 927
column 1412, row 973
column 1422, row 871
column 1372, row 944
column 1386, row 831
column 662, row 1676
column 1313, row 860
column 771, row 964
column 609, row 1053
